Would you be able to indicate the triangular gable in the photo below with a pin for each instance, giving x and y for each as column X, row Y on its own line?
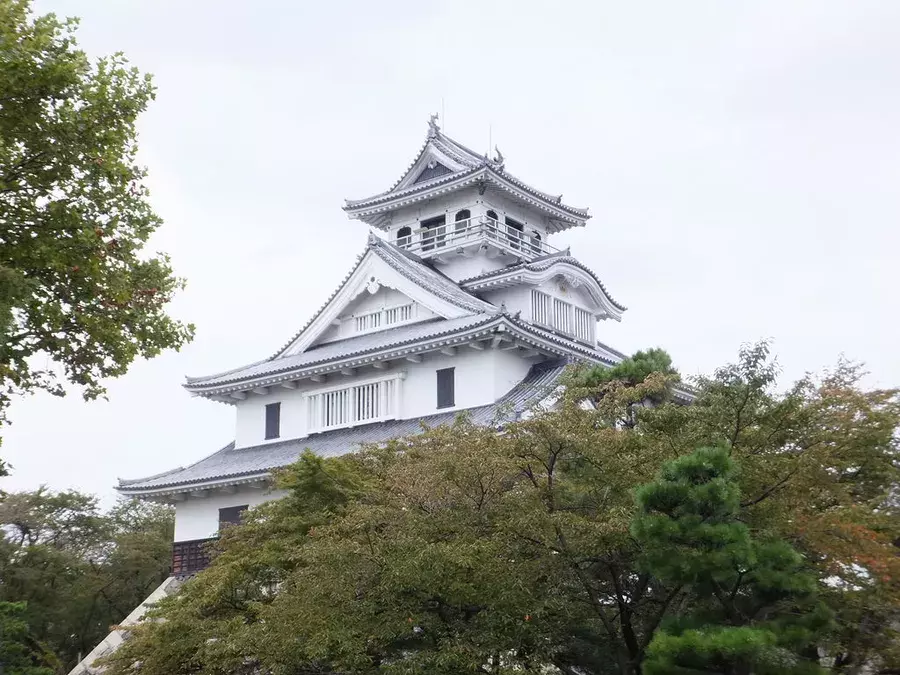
column 440, row 156
column 376, row 309
column 431, row 163
column 434, row 169
column 384, row 266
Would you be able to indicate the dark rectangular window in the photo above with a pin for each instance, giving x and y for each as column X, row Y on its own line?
column 446, row 388
column 435, row 232
column 273, row 420
column 515, row 232
column 231, row 515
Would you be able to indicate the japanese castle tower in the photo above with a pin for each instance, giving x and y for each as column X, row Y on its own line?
column 458, row 302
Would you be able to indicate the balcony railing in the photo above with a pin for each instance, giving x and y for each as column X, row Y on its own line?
column 189, row 557
column 439, row 239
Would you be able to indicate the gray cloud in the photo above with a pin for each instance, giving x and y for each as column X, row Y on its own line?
column 741, row 161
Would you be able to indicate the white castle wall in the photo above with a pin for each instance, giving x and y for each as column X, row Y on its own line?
column 481, row 378
column 198, row 518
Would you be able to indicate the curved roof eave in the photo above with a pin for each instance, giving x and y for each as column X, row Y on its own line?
column 460, row 179
column 539, row 265
column 398, row 259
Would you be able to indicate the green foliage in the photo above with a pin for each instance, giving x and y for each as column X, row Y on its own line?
column 20, row 652
column 754, row 606
column 77, row 570
column 645, row 378
column 76, row 282
column 465, row 550
column 633, row 370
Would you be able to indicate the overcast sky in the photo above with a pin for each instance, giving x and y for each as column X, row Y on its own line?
column 741, row 162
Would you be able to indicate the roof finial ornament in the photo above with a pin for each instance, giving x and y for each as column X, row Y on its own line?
column 499, row 157
column 433, row 127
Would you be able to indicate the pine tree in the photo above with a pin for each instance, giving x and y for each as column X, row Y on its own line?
column 754, row 606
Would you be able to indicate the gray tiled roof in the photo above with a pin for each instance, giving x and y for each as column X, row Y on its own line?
column 473, row 163
column 539, row 264
column 342, row 349
column 407, row 264
column 231, row 462
column 422, row 273
column 412, row 267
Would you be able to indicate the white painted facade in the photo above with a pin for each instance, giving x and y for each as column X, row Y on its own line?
column 198, row 517
column 481, row 377
column 411, row 287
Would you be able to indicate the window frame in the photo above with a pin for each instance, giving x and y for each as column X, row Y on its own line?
column 238, row 511
column 452, row 388
column 272, row 421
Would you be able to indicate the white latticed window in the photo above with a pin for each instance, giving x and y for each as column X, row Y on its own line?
column 541, row 308
column 584, row 325
column 357, row 404
column 562, row 316
column 368, row 321
column 384, row 317
column 398, row 314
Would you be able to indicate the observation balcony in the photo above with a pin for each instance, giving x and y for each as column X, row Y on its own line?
column 484, row 232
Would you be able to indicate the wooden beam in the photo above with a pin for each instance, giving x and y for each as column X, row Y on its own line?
column 199, row 494
column 507, row 347
column 530, row 353
column 349, row 372
column 497, row 341
column 319, row 378
column 239, row 395
column 449, row 351
column 228, row 489
column 414, row 358
column 262, row 391
column 380, row 365
column 290, row 384
column 478, row 346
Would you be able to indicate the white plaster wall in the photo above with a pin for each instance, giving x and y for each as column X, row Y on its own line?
column 481, row 378
column 516, row 298
column 250, row 416
column 198, row 518
column 447, row 205
column 533, row 219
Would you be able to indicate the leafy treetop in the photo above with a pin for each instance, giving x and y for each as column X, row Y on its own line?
column 76, row 282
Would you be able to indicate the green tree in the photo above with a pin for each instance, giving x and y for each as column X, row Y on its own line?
column 76, row 282
column 20, row 652
column 753, row 606
column 77, row 569
column 465, row 550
